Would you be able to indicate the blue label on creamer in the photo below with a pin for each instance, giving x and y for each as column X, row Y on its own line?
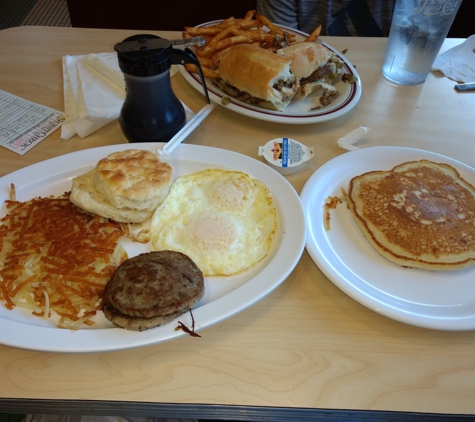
column 285, row 152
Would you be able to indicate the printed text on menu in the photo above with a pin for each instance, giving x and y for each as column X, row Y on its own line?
column 23, row 123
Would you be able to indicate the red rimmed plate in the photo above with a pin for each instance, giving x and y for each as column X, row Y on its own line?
column 296, row 112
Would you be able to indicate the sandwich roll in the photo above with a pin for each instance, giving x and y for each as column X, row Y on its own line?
column 315, row 67
column 257, row 76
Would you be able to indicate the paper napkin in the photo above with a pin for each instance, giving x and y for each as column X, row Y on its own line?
column 458, row 63
column 93, row 92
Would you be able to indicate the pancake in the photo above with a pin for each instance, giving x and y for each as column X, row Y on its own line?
column 151, row 289
column 420, row 214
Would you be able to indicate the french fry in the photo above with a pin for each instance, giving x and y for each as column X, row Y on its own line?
column 227, row 42
column 205, row 61
column 221, row 35
column 249, row 15
column 217, row 56
column 253, row 35
column 207, row 72
column 252, row 29
column 227, row 23
column 230, row 19
column 314, row 34
column 204, row 30
column 248, row 24
column 291, row 37
column 269, row 24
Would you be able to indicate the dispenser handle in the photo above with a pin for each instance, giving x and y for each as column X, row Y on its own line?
column 178, row 56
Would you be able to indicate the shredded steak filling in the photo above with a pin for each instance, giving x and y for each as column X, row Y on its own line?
column 317, row 74
column 232, row 91
column 328, row 96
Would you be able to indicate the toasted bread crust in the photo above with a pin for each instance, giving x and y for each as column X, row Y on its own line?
column 306, row 57
column 262, row 70
column 420, row 214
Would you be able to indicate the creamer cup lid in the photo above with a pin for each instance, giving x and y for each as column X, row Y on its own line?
column 285, row 155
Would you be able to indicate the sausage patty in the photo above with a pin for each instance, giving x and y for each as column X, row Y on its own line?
column 156, row 285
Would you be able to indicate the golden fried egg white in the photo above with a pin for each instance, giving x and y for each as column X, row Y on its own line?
column 224, row 220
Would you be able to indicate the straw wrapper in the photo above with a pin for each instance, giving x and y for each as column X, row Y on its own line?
column 346, row 142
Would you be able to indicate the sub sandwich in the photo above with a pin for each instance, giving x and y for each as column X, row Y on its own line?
column 315, row 67
column 257, row 76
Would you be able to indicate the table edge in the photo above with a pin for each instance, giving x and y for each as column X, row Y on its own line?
column 217, row 412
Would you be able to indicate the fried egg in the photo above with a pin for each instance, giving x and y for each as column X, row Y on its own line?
column 224, row 220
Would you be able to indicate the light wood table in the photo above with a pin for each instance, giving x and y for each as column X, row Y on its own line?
column 305, row 351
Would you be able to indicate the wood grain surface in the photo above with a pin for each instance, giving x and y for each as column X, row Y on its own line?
column 307, row 344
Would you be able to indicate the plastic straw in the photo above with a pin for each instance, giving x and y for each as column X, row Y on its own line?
column 186, row 130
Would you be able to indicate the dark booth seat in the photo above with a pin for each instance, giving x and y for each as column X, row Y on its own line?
column 173, row 15
column 166, row 15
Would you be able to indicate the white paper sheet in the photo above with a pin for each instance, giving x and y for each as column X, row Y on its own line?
column 23, row 124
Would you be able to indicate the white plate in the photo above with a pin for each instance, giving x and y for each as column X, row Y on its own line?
column 224, row 296
column 296, row 112
column 442, row 300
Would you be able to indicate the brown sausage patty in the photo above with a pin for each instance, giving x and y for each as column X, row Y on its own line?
column 134, row 323
column 154, row 284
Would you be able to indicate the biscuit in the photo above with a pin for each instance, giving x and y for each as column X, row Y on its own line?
column 126, row 186
column 134, row 179
column 85, row 196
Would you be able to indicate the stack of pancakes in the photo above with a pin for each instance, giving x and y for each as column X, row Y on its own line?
column 420, row 214
column 152, row 289
column 126, row 186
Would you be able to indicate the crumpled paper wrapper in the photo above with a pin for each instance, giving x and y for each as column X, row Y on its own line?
column 458, row 63
column 94, row 92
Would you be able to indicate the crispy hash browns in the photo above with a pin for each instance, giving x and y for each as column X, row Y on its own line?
column 55, row 257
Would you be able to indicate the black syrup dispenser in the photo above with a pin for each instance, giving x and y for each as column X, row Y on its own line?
column 151, row 111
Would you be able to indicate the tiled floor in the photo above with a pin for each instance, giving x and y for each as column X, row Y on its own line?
column 34, row 12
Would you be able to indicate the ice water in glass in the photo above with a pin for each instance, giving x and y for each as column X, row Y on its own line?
column 418, row 30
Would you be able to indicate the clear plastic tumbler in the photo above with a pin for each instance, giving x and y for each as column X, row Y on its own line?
column 418, row 29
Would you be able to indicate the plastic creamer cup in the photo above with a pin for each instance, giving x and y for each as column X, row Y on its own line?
column 285, row 155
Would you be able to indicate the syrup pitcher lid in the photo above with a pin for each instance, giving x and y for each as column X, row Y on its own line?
column 144, row 55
